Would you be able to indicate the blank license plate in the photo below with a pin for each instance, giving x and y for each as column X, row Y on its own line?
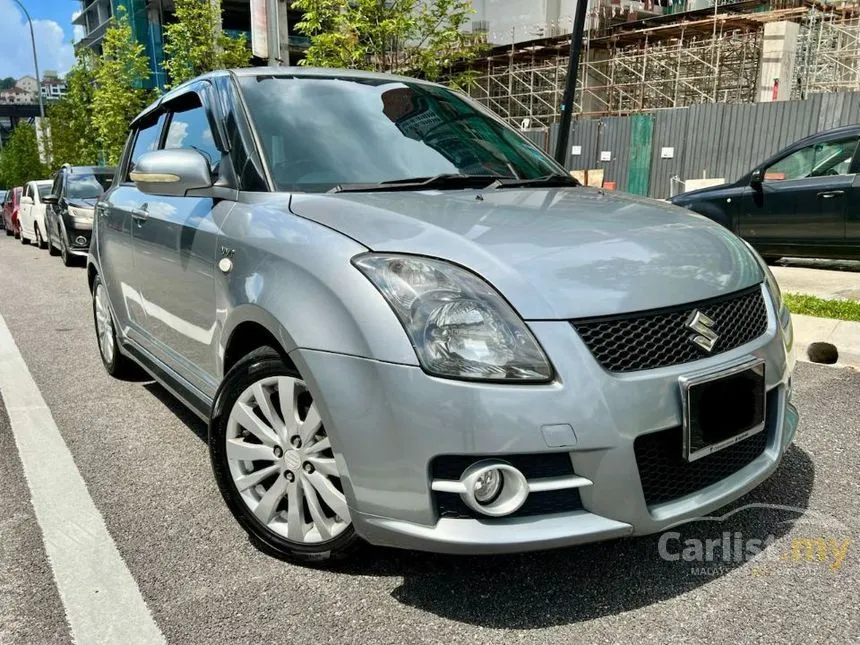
column 722, row 408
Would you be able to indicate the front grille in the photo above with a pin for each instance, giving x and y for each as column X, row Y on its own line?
column 666, row 475
column 533, row 466
column 659, row 338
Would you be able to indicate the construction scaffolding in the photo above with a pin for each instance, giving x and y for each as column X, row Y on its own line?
column 828, row 52
column 707, row 55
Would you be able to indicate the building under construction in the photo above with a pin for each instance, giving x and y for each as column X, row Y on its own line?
column 642, row 56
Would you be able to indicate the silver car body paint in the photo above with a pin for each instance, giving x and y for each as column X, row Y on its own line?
column 554, row 254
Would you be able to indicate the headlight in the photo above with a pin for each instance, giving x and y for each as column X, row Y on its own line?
column 81, row 215
column 459, row 325
column 772, row 285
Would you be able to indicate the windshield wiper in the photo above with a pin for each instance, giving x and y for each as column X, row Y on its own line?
column 546, row 181
column 445, row 180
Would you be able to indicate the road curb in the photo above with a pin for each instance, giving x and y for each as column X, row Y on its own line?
column 844, row 334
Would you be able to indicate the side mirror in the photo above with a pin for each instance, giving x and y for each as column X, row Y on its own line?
column 757, row 177
column 26, row 200
column 50, row 199
column 171, row 172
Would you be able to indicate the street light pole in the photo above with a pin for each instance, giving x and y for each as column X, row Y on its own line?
column 570, row 84
column 35, row 60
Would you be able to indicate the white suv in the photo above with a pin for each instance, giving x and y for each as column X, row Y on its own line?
column 31, row 215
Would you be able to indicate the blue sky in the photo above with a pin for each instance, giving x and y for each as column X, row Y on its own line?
column 52, row 22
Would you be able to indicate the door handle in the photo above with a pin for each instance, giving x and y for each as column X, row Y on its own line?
column 140, row 214
column 830, row 194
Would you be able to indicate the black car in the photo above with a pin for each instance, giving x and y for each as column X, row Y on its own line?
column 69, row 209
column 802, row 202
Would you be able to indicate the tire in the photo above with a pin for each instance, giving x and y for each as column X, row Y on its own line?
column 116, row 364
column 24, row 240
column 40, row 242
column 52, row 250
column 68, row 259
column 9, row 231
column 263, row 507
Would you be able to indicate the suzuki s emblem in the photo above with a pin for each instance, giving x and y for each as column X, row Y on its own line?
column 705, row 337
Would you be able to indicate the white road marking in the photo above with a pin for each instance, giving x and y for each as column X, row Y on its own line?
column 102, row 601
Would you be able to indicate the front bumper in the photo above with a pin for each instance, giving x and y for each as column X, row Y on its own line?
column 388, row 422
column 78, row 235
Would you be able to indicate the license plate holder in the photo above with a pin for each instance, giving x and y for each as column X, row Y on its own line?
column 722, row 408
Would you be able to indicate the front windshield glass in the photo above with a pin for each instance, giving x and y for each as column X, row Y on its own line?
column 318, row 133
column 90, row 186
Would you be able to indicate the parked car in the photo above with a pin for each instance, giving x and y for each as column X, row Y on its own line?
column 31, row 215
column 69, row 212
column 3, row 194
column 801, row 202
column 11, row 204
column 403, row 322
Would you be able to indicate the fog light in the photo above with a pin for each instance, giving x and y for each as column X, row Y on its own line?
column 493, row 487
column 80, row 240
column 487, row 486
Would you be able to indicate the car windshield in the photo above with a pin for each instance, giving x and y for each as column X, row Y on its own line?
column 89, row 186
column 44, row 190
column 319, row 133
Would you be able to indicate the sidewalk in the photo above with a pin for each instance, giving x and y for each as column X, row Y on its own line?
column 842, row 333
column 828, row 284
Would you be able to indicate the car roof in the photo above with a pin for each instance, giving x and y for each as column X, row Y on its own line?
column 847, row 130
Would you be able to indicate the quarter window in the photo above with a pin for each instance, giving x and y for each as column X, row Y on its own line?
column 820, row 160
column 189, row 128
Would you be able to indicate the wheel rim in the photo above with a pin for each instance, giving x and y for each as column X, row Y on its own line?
column 281, row 462
column 104, row 324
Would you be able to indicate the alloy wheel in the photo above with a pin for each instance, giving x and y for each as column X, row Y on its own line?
column 38, row 236
column 104, row 324
column 281, row 462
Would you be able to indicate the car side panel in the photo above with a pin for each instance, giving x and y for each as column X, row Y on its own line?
column 294, row 277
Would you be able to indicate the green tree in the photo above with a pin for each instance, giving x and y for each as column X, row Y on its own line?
column 7, row 83
column 195, row 43
column 19, row 161
column 71, row 135
column 118, row 96
column 422, row 38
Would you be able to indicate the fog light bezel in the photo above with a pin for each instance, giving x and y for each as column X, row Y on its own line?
column 513, row 494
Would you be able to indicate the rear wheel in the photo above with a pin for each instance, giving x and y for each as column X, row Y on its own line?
column 274, row 464
column 24, row 240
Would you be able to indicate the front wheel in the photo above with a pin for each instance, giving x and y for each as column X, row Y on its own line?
column 66, row 255
column 115, row 363
column 274, row 464
column 24, row 240
column 40, row 242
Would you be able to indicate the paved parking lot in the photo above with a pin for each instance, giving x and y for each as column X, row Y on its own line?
column 145, row 465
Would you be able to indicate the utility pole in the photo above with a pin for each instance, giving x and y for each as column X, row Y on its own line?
column 284, row 32
column 35, row 60
column 570, row 83
column 277, row 32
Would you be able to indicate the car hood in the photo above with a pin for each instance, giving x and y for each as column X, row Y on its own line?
column 553, row 253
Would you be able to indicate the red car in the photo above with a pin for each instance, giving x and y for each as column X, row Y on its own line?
column 10, row 211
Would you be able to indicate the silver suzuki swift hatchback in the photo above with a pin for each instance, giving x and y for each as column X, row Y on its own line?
column 406, row 325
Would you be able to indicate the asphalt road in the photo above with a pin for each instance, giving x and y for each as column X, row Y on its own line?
column 144, row 462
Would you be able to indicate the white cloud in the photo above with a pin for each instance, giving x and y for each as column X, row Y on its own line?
column 79, row 31
column 16, row 53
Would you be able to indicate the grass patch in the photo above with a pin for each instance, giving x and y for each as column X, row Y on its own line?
column 821, row 308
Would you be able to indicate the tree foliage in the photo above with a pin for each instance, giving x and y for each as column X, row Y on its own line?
column 195, row 43
column 7, row 83
column 119, row 95
column 422, row 38
column 71, row 136
column 19, row 161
